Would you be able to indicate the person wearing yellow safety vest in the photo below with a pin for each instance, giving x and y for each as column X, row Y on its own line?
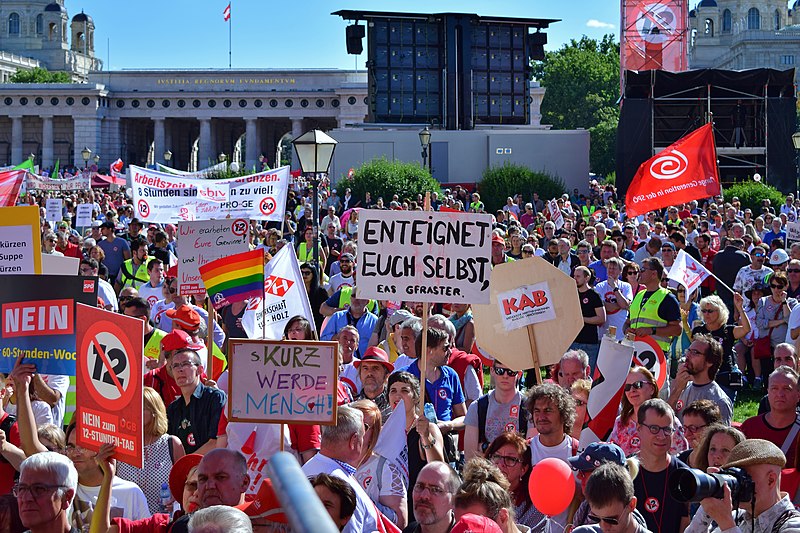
column 140, row 308
column 340, row 300
column 655, row 311
column 499, row 250
column 133, row 271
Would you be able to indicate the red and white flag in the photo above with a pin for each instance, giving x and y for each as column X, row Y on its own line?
column 688, row 272
column 116, row 166
column 10, row 185
column 227, row 13
column 685, row 170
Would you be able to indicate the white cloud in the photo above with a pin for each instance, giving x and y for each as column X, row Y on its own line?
column 594, row 23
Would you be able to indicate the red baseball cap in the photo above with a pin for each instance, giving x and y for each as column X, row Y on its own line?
column 473, row 523
column 497, row 238
column 185, row 317
column 178, row 340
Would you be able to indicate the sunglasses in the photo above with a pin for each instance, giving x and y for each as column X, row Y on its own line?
column 636, row 385
column 504, row 371
column 772, row 286
column 706, row 311
column 611, row 521
column 793, row 270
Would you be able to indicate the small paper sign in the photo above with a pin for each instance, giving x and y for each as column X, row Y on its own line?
column 526, row 305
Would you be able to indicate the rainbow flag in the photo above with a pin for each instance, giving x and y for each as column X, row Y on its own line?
column 234, row 278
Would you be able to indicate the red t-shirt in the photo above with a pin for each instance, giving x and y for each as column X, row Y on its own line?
column 7, row 472
column 756, row 427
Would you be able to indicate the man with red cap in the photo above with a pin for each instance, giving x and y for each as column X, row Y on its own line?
column 499, row 250
column 373, row 371
column 161, row 378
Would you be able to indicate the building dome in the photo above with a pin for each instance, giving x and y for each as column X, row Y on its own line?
column 82, row 17
column 707, row 3
column 58, row 8
column 693, row 13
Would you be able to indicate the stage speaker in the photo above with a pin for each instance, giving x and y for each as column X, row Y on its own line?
column 354, row 34
column 536, row 42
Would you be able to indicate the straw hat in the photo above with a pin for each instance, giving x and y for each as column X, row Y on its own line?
column 755, row 452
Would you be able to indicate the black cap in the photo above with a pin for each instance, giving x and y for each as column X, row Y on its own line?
column 107, row 224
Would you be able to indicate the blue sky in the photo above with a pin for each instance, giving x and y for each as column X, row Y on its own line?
column 290, row 34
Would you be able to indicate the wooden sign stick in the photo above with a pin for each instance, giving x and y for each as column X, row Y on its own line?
column 535, row 354
column 423, row 357
column 209, row 339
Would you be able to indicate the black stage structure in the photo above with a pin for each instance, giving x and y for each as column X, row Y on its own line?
column 753, row 112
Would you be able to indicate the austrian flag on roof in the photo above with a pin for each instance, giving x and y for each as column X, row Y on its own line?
column 227, row 13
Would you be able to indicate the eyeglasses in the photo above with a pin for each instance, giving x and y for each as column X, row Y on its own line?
column 636, row 385
column 185, row 364
column 306, row 272
column 583, row 252
column 86, row 271
column 367, row 427
column 419, row 488
column 758, row 255
column 36, row 490
column 654, row 429
column 72, row 449
column 507, row 460
column 793, row 270
column 504, row 371
column 693, row 428
column 121, row 298
column 579, row 403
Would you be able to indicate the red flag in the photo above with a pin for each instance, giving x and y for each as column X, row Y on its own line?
column 10, row 184
column 685, row 170
column 227, row 13
column 116, row 166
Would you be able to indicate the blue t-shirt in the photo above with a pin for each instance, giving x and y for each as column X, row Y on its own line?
column 600, row 272
column 114, row 255
column 771, row 236
column 443, row 393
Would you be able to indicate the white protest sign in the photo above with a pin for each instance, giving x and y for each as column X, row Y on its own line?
column 83, row 215
column 20, row 240
column 526, row 305
column 285, row 296
column 424, row 256
column 203, row 241
column 283, row 381
column 60, row 266
column 81, row 182
column 166, row 198
column 53, row 209
column 555, row 213
column 793, row 231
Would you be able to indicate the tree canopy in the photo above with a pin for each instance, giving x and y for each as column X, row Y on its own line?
column 582, row 82
column 39, row 75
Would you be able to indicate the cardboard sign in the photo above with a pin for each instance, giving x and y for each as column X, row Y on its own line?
column 56, row 265
column 83, row 215
column 424, row 256
column 166, row 198
column 80, row 182
column 650, row 355
column 203, row 241
column 108, row 391
column 555, row 213
column 20, row 240
column 552, row 338
column 793, row 231
column 54, row 209
column 526, row 305
column 283, row 381
column 38, row 320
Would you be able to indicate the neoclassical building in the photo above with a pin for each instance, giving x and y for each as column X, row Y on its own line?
column 744, row 34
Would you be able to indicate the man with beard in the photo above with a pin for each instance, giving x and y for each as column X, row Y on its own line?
column 695, row 380
column 373, row 370
column 133, row 271
column 344, row 278
column 434, row 499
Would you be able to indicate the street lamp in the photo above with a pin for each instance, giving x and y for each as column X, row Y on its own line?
column 222, row 157
column 314, row 150
column 86, row 154
column 796, row 143
column 96, row 159
column 32, row 156
column 167, row 156
column 425, row 141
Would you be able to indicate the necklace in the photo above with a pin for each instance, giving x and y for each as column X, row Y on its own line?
column 651, row 505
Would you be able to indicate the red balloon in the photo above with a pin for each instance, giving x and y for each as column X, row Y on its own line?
column 551, row 486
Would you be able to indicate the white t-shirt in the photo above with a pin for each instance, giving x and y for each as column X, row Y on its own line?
column 349, row 376
column 383, row 477
column 106, row 292
column 61, row 384
column 561, row 451
column 127, row 501
column 618, row 317
column 794, row 322
column 151, row 294
column 42, row 414
column 338, row 281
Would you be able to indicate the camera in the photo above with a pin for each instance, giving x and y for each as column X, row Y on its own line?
column 693, row 485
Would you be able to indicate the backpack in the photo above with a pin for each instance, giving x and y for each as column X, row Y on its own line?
column 483, row 409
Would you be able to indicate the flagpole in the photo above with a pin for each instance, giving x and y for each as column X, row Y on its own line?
column 230, row 36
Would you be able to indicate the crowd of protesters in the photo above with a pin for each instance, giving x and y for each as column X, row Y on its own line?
column 467, row 464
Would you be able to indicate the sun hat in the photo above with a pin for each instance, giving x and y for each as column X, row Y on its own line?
column 373, row 353
column 180, row 472
column 755, row 452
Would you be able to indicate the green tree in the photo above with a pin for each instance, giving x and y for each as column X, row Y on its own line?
column 384, row 178
column 39, row 75
column 500, row 182
column 582, row 82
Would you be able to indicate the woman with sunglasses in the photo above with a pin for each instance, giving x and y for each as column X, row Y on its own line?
column 714, row 314
column 772, row 313
column 640, row 386
column 316, row 294
column 630, row 274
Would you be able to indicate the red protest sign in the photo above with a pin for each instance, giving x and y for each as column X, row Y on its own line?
column 108, row 390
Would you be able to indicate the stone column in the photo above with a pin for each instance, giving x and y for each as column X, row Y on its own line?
column 16, row 140
column 47, row 142
column 86, row 134
column 252, row 150
column 204, row 148
column 158, row 140
column 297, row 127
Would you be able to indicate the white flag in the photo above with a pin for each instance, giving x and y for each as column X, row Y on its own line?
column 688, row 272
column 285, row 295
column 555, row 214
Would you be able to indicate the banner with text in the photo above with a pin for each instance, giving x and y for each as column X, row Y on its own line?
column 20, row 240
column 108, row 390
column 166, row 198
column 80, row 182
column 38, row 317
column 203, row 241
column 283, row 381
column 424, row 256
column 285, row 295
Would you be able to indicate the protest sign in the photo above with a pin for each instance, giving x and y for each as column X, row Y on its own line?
column 283, row 381
column 38, row 321
column 56, row 265
column 11, row 183
column 108, row 391
column 79, row 182
column 650, row 355
column 83, row 215
column 285, row 295
column 555, row 213
column 204, row 241
column 538, row 343
column 424, row 256
column 54, row 209
column 688, row 272
column 166, row 198
column 20, row 240
column 526, row 305
column 793, row 231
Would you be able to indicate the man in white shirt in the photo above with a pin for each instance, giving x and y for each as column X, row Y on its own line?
column 152, row 290
column 616, row 296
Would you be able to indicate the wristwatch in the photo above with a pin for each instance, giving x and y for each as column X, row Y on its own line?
column 653, row 331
